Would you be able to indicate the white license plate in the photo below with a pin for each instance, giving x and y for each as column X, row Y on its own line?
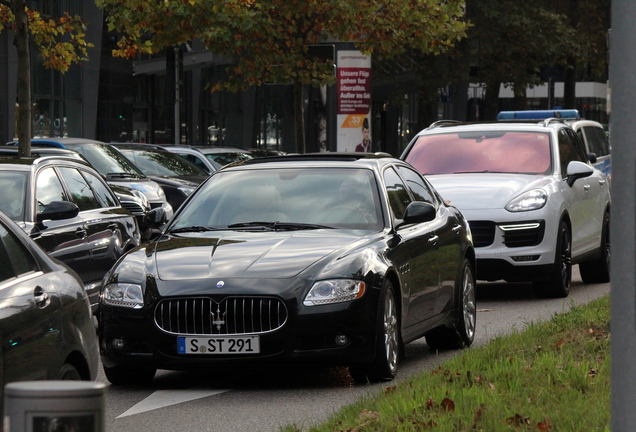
column 218, row 345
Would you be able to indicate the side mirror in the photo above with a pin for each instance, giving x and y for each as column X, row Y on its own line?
column 418, row 212
column 577, row 170
column 57, row 210
column 591, row 157
column 152, row 222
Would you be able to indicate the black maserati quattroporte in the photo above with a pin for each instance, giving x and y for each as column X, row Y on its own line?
column 335, row 259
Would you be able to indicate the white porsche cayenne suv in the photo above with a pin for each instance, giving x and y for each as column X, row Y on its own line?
column 534, row 203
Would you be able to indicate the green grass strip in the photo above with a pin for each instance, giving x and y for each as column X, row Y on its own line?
column 552, row 376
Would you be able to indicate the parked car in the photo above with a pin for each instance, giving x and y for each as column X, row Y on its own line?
column 175, row 175
column 196, row 156
column 47, row 326
column 591, row 133
column 336, row 259
column 131, row 199
column 535, row 204
column 116, row 169
column 67, row 208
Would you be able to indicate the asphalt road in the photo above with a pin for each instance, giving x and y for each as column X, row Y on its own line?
column 264, row 399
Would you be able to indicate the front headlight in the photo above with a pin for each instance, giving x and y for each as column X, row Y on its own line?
column 531, row 200
column 186, row 190
column 124, row 295
column 334, row 291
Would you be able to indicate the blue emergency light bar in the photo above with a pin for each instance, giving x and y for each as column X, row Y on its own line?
column 571, row 114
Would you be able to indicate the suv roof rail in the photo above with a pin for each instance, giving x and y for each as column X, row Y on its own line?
column 547, row 121
column 443, row 123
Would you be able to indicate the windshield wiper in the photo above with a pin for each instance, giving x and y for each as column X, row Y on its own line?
column 480, row 172
column 124, row 175
column 279, row 226
column 197, row 228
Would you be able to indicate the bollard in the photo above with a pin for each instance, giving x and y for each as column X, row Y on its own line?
column 54, row 406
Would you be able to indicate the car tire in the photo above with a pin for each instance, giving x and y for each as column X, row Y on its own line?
column 598, row 271
column 68, row 372
column 388, row 343
column 122, row 375
column 462, row 333
column 559, row 284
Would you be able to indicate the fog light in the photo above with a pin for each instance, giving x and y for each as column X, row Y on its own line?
column 342, row 340
column 525, row 258
column 117, row 343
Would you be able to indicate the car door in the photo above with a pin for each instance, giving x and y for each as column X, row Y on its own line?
column 103, row 222
column 63, row 239
column 30, row 318
column 414, row 256
column 583, row 197
column 446, row 240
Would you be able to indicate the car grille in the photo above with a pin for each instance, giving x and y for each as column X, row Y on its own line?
column 133, row 207
column 230, row 316
column 523, row 234
column 483, row 232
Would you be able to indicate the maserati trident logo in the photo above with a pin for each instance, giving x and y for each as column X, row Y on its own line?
column 218, row 318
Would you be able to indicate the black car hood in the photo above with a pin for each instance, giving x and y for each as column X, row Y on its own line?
column 245, row 254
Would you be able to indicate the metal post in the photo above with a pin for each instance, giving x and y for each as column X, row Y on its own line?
column 177, row 102
column 623, row 239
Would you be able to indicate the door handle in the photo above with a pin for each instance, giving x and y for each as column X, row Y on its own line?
column 602, row 182
column 433, row 239
column 80, row 233
column 586, row 187
column 457, row 228
column 113, row 227
column 42, row 299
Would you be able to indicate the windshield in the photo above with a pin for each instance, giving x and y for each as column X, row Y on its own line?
column 105, row 159
column 226, row 158
column 329, row 197
column 12, row 198
column 162, row 163
column 490, row 151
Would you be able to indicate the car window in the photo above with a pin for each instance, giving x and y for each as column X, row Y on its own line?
column 162, row 163
column 414, row 181
column 396, row 190
column 13, row 187
column 227, row 158
column 101, row 190
column 81, row 192
column 17, row 257
column 195, row 160
column 568, row 151
column 596, row 140
column 482, row 151
column 48, row 188
column 105, row 159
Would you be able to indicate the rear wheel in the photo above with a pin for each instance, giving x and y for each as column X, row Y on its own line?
column 126, row 375
column 561, row 278
column 598, row 271
column 69, row 373
column 462, row 333
column 388, row 342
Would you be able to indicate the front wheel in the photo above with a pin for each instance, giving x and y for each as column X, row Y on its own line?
column 69, row 373
column 561, row 278
column 462, row 333
column 388, row 342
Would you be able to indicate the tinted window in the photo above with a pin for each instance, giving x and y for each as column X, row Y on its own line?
column 414, row 181
column 102, row 191
column 12, row 196
column 48, row 188
column 568, row 151
column 16, row 256
column 492, row 151
column 596, row 140
column 105, row 159
column 81, row 192
column 162, row 163
column 398, row 195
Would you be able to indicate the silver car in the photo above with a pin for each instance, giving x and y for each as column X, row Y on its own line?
column 535, row 204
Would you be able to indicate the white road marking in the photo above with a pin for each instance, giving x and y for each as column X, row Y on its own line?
column 164, row 398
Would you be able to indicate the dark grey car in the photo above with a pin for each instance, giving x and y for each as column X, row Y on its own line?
column 46, row 327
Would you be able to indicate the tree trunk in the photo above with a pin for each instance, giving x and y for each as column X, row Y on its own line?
column 491, row 104
column 299, row 117
column 521, row 99
column 569, row 84
column 21, row 41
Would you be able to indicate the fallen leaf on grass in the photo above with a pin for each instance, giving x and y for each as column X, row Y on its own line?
column 545, row 425
column 448, row 405
column 517, row 420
